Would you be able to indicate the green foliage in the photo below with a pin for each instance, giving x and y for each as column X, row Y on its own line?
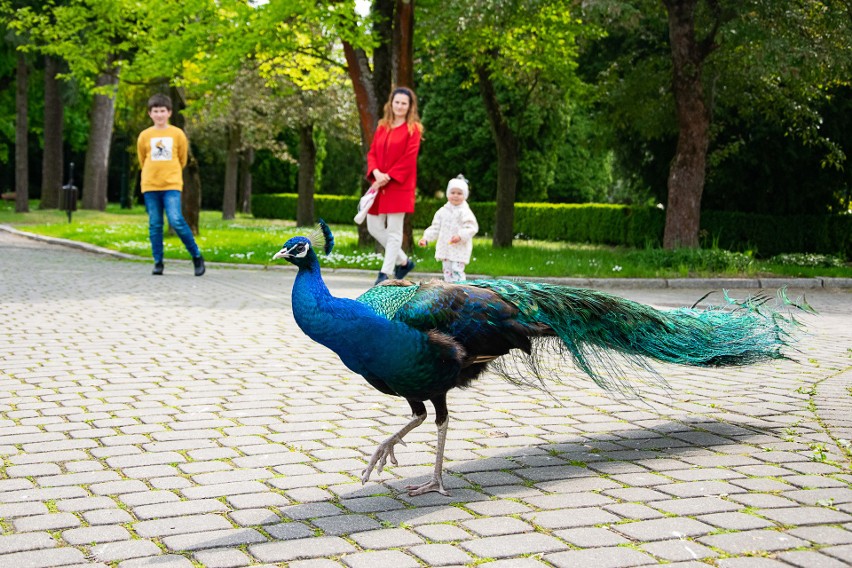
column 635, row 226
column 694, row 260
column 768, row 235
column 806, row 259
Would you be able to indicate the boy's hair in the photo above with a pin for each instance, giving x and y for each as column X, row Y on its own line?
column 159, row 100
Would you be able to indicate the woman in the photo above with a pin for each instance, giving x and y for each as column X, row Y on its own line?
column 392, row 165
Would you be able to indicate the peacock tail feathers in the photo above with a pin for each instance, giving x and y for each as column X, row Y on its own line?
column 603, row 334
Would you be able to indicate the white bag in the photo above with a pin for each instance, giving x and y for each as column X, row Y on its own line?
column 365, row 203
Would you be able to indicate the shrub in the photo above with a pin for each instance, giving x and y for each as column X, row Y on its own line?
column 634, row 226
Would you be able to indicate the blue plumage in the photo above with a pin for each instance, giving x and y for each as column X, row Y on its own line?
column 418, row 341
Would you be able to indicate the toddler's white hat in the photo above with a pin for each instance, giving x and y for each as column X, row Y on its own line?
column 459, row 182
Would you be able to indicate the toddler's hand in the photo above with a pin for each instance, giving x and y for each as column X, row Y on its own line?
column 422, row 242
column 455, row 239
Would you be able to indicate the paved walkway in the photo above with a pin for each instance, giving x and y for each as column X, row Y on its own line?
column 178, row 421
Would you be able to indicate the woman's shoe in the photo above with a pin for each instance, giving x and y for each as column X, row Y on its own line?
column 381, row 278
column 401, row 272
column 158, row 269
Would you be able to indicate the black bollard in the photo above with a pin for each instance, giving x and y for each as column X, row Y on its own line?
column 69, row 194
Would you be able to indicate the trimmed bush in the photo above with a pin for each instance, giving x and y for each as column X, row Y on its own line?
column 634, row 226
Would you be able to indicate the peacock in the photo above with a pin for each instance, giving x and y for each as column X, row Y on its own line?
column 418, row 341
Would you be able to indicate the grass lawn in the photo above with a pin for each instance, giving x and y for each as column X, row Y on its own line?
column 246, row 240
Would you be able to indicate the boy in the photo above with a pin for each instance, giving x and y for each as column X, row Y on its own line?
column 453, row 226
column 162, row 151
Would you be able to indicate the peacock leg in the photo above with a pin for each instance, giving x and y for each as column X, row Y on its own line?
column 442, row 420
column 385, row 450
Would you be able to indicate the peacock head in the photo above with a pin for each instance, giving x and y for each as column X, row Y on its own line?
column 301, row 250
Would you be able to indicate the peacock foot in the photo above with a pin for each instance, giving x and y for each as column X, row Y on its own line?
column 380, row 457
column 435, row 484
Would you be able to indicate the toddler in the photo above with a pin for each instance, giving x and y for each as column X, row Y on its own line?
column 453, row 227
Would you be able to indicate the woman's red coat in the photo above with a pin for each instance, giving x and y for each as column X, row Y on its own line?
column 394, row 152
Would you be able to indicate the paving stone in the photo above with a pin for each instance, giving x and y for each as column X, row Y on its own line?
column 212, row 539
column 591, row 537
column 22, row 542
column 124, row 549
column 663, row 529
column 164, row 561
column 513, row 545
column 291, row 531
column 600, row 558
column 371, row 504
column 310, row 510
column 319, row 563
column 569, row 500
column 179, row 525
column 735, row 521
column 443, row 533
column 810, row 559
column 750, row 563
column 257, row 500
column 179, row 509
column 224, row 489
column 751, row 541
column 633, row 511
column 49, row 522
column 222, row 558
column 385, row 538
column 805, row 516
column 345, row 524
column 823, row 535
column 678, row 550
column 696, row 506
column 494, row 526
column 440, row 554
column 571, row 518
column 424, row 515
column 254, row 517
column 22, row 510
column 842, row 553
column 393, row 558
column 87, row 535
column 107, row 517
column 317, row 547
column 43, row 558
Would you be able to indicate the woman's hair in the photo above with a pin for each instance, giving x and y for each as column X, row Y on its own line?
column 412, row 118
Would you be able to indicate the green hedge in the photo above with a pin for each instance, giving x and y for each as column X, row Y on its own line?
column 634, row 226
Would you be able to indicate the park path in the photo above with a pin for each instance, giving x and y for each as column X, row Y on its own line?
column 177, row 421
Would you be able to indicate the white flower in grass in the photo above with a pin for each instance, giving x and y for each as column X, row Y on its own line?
column 616, row 268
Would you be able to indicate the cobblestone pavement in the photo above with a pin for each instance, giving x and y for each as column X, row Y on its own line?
column 177, row 421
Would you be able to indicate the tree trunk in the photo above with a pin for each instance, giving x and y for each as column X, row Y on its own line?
column 100, row 137
column 22, row 174
column 246, row 162
column 307, row 171
column 190, row 197
column 403, row 42
column 383, row 56
column 688, row 169
column 52, row 161
column 508, row 169
column 232, row 164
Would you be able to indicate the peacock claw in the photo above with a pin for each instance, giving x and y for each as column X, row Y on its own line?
column 380, row 458
column 435, row 484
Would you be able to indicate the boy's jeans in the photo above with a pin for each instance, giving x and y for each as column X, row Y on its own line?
column 169, row 201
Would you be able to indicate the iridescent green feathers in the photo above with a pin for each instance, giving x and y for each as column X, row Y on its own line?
column 604, row 335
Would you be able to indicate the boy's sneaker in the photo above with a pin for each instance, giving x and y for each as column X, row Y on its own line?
column 400, row 272
column 158, row 269
column 381, row 278
column 199, row 265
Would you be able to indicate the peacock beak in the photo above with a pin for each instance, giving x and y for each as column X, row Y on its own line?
column 283, row 253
